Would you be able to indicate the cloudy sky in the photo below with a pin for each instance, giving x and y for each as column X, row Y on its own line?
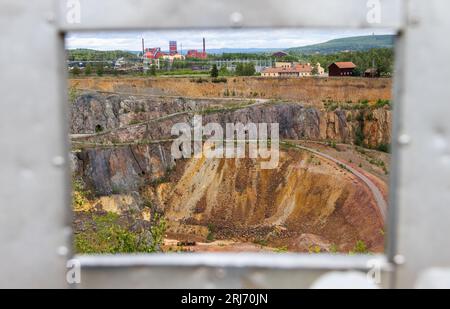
column 192, row 39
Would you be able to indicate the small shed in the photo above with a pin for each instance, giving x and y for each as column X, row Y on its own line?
column 371, row 73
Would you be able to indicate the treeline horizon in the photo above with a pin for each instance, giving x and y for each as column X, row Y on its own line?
column 380, row 58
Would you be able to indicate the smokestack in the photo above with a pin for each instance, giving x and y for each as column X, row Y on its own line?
column 143, row 47
column 204, row 46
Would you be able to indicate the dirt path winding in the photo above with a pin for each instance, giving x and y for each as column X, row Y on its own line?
column 378, row 196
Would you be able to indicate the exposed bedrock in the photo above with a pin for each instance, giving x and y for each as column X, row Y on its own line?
column 96, row 113
column 121, row 169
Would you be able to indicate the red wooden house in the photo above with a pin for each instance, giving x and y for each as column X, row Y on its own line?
column 341, row 69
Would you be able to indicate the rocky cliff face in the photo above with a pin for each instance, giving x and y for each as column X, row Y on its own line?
column 300, row 122
column 121, row 169
column 95, row 112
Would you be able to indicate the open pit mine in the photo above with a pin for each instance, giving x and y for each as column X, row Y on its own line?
column 328, row 193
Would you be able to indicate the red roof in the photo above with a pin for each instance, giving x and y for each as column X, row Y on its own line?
column 280, row 54
column 153, row 53
column 303, row 68
column 193, row 53
column 345, row 65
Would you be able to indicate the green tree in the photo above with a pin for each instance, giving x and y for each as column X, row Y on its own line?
column 224, row 71
column 239, row 69
column 250, row 69
column 151, row 71
column 91, row 55
column 245, row 69
column 214, row 71
column 164, row 64
column 76, row 71
column 88, row 70
column 100, row 70
column 288, row 58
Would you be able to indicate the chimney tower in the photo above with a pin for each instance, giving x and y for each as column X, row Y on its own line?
column 204, row 46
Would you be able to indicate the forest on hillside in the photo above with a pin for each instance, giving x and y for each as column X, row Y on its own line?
column 99, row 55
column 381, row 58
column 359, row 43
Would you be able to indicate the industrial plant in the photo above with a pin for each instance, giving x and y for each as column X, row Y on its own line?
column 154, row 55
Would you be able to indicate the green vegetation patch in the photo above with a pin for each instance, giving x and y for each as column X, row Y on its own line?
column 109, row 234
column 360, row 248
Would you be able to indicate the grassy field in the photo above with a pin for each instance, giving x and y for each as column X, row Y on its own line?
column 305, row 90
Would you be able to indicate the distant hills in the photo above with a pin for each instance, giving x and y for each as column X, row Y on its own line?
column 219, row 51
column 359, row 43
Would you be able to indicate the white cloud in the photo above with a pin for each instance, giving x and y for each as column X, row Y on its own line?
column 192, row 39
